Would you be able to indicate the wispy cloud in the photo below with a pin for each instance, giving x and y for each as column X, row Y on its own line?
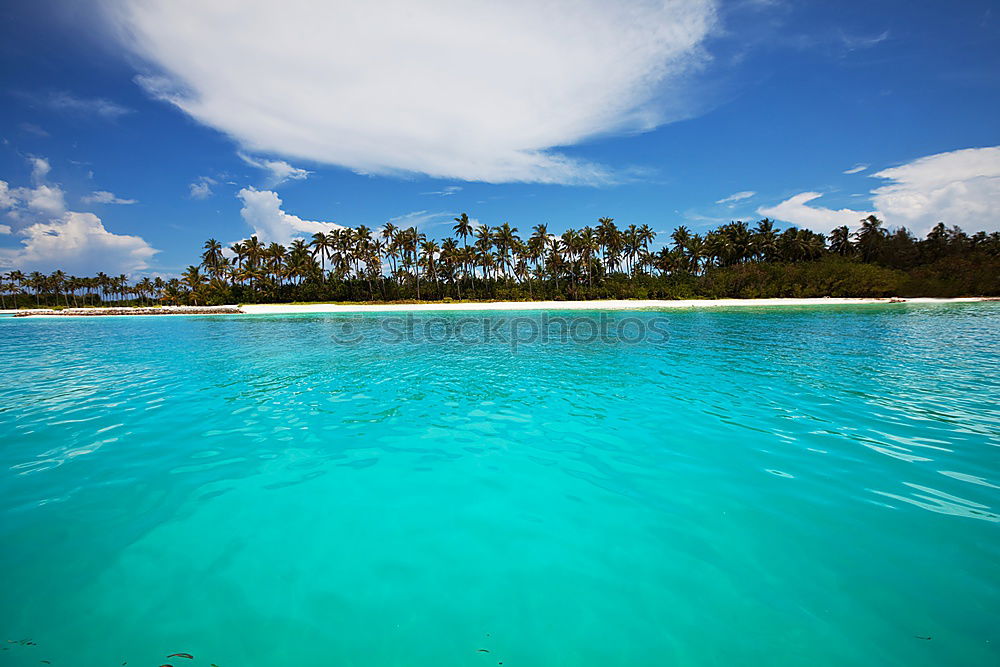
column 69, row 103
column 446, row 191
column 202, row 188
column 278, row 171
column 422, row 219
column 856, row 42
column 105, row 197
column 31, row 128
column 474, row 90
column 856, row 169
column 736, row 197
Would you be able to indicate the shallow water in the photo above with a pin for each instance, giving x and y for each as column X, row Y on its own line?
column 775, row 486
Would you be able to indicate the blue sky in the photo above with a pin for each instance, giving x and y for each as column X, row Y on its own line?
column 134, row 130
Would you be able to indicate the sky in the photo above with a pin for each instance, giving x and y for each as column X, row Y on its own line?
column 133, row 130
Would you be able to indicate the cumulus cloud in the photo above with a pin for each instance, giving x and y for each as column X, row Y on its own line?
column 77, row 243
column 262, row 211
column 278, row 171
column 958, row 188
column 44, row 199
column 797, row 211
column 736, row 197
column 105, row 197
column 40, row 168
column 856, row 169
column 55, row 238
column 474, row 90
column 202, row 188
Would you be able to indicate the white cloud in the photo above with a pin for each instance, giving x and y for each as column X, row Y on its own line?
column 474, row 90
column 735, row 197
column 202, row 188
column 856, row 169
column 7, row 199
column 279, row 171
column 40, row 168
column 796, row 211
column 958, row 188
column 55, row 238
column 855, row 42
column 262, row 211
column 89, row 106
column 31, row 128
column 105, row 197
column 423, row 219
column 77, row 243
column 48, row 199
column 446, row 191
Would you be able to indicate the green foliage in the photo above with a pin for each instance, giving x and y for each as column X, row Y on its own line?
column 603, row 262
column 830, row 276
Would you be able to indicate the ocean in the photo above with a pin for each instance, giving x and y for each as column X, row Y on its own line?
column 754, row 486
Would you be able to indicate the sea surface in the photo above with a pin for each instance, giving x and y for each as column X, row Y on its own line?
column 783, row 486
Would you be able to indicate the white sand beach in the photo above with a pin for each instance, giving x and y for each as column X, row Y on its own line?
column 610, row 304
column 620, row 304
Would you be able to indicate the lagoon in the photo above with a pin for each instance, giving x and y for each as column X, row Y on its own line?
column 778, row 486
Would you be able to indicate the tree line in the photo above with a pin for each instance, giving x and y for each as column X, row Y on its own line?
column 603, row 261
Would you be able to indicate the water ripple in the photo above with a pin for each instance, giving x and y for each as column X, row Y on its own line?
column 814, row 469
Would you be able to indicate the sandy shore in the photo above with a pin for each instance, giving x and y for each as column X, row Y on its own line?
column 127, row 311
column 649, row 304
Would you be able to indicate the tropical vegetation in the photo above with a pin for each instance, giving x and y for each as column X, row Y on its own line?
column 480, row 262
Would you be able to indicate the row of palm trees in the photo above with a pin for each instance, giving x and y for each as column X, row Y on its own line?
column 480, row 261
column 59, row 288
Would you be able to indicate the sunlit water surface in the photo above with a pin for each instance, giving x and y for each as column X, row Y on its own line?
column 769, row 487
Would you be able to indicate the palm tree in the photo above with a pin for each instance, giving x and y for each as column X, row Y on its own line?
column 506, row 239
column 870, row 237
column 193, row 280
column 484, row 249
column 212, row 258
column 840, row 241
column 765, row 240
column 464, row 228
column 609, row 240
column 37, row 282
column 693, row 252
column 322, row 244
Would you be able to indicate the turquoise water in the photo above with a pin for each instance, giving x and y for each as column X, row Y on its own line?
column 779, row 487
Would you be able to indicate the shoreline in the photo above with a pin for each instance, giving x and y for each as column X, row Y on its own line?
column 125, row 311
column 608, row 304
column 480, row 306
